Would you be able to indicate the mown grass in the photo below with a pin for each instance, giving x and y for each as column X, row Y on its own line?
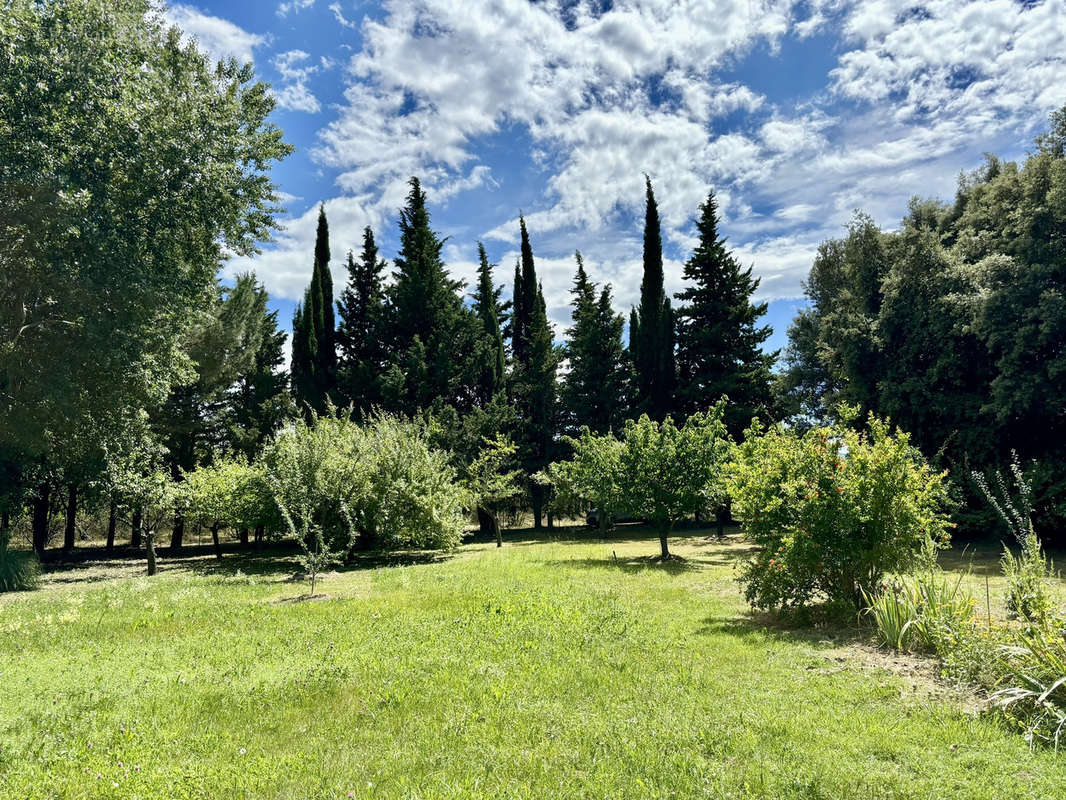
column 550, row 668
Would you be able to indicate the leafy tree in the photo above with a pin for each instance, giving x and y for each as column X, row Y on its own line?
column 491, row 482
column 363, row 326
column 593, row 389
column 230, row 493
column 668, row 472
column 719, row 343
column 651, row 326
column 592, row 477
column 107, row 235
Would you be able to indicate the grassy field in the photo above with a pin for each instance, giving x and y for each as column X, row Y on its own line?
column 567, row 667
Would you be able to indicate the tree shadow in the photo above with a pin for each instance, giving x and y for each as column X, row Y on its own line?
column 818, row 629
column 675, row 565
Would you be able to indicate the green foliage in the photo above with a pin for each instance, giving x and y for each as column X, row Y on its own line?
column 1032, row 693
column 362, row 329
column 591, row 478
column 925, row 611
column 953, row 326
column 668, row 472
column 651, row 325
column 317, row 554
column 489, row 311
column 228, row 493
column 102, row 251
column 1027, row 574
column 719, row 350
column 490, row 480
column 19, row 571
column 314, row 341
column 399, row 491
column 832, row 511
column 594, row 387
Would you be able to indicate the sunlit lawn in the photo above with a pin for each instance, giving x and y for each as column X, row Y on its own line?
column 565, row 667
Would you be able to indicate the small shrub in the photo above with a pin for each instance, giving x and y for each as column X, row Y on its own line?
column 894, row 610
column 833, row 510
column 922, row 612
column 19, row 571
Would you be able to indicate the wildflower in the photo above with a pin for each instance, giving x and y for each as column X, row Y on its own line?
column 243, row 751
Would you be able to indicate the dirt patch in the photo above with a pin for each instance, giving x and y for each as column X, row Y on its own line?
column 302, row 598
column 920, row 674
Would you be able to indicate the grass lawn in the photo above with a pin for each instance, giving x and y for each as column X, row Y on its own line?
column 552, row 668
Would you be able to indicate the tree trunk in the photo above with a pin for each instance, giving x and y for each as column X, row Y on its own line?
column 260, row 532
column 177, row 533
column 42, row 503
column 497, row 529
column 72, row 516
column 149, row 540
column 537, row 496
column 484, row 522
column 5, row 521
column 603, row 520
column 664, row 531
column 244, row 536
column 112, row 523
column 214, row 538
column 719, row 519
column 551, row 520
column 135, row 531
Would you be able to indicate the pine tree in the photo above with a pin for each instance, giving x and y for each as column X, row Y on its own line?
column 651, row 327
column 719, row 341
column 525, row 296
column 362, row 327
column 433, row 334
column 593, row 389
column 491, row 355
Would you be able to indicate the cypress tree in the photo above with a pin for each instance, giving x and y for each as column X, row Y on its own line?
column 486, row 305
column 325, row 330
column 651, row 331
column 719, row 341
column 593, row 388
column 362, row 328
column 525, row 295
column 314, row 350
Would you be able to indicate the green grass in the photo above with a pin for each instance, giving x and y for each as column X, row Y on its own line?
column 569, row 668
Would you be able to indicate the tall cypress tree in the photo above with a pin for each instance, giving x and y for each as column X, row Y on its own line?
column 533, row 377
column 593, row 389
column 433, row 334
column 326, row 332
column 719, row 341
column 486, row 305
column 362, row 327
column 651, row 328
column 314, row 349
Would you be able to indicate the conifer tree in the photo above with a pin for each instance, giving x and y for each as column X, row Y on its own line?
column 651, row 327
column 491, row 355
column 719, row 340
column 593, row 390
column 314, row 349
column 362, row 328
column 433, row 334
column 525, row 296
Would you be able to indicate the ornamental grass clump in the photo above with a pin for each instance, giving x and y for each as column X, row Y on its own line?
column 19, row 571
column 832, row 511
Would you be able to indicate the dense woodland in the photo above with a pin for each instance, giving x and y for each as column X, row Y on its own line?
column 126, row 360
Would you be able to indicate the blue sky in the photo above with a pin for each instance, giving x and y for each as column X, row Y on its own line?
column 795, row 113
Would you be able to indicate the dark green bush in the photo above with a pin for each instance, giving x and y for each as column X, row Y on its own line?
column 19, row 571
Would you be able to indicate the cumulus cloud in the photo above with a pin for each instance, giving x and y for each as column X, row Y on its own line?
column 217, row 37
column 295, row 71
column 604, row 95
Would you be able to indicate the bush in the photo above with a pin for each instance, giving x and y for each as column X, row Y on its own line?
column 399, row 491
column 921, row 613
column 832, row 511
column 19, row 571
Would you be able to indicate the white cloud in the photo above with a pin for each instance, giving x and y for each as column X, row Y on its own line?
column 917, row 93
column 293, row 5
column 295, row 71
column 217, row 37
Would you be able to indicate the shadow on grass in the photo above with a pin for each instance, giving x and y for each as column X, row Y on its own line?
column 817, row 629
column 672, row 566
